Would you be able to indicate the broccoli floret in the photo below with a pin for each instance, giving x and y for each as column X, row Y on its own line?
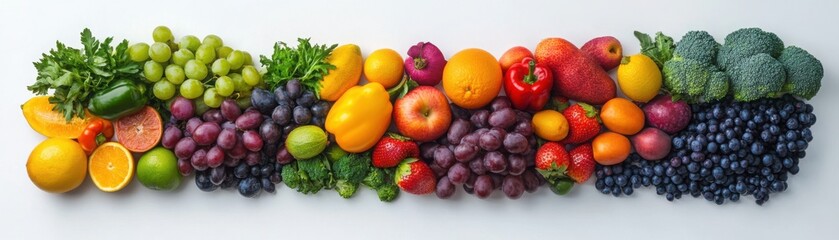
column 375, row 178
column 747, row 42
column 290, row 176
column 686, row 78
column 699, row 46
column 756, row 77
column 804, row 72
column 309, row 175
column 349, row 171
column 388, row 192
column 717, row 87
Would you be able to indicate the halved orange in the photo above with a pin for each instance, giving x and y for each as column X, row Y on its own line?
column 141, row 131
column 111, row 167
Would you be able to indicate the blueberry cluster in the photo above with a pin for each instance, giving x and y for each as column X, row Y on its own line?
column 730, row 149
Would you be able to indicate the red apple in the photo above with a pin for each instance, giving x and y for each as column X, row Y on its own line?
column 423, row 114
column 513, row 56
column 651, row 143
column 606, row 51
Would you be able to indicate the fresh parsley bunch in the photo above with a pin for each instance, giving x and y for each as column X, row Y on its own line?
column 306, row 63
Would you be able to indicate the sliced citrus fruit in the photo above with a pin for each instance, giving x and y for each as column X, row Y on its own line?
column 41, row 117
column 111, row 167
column 140, row 131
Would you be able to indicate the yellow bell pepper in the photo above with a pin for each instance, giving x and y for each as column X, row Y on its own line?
column 360, row 117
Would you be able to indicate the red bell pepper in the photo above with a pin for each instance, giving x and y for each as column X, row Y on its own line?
column 96, row 133
column 528, row 85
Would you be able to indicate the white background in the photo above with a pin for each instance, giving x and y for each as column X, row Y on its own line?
column 807, row 210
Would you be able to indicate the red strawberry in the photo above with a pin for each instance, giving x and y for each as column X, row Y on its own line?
column 392, row 149
column 414, row 176
column 552, row 157
column 582, row 163
column 583, row 124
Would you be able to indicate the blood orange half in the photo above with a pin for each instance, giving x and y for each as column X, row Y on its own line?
column 141, row 131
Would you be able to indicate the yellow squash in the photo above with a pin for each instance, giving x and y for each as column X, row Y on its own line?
column 347, row 72
column 360, row 117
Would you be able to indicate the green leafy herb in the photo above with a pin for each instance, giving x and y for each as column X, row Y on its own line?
column 306, row 63
column 660, row 51
column 76, row 75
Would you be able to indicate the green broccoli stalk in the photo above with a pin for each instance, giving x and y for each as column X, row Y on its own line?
column 350, row 170
column 756, row 77
column 381, row 180
column 716, row 88
column 660, row 50
column 686, row 78
column 699, row 46
column 804, row 72
column 747, row 42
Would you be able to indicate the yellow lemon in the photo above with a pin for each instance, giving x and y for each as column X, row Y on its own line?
column 384, row 66
column 57, row 165
column 639, row 78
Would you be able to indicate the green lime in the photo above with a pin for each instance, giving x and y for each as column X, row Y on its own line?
column 306, row 142
column 158, row 170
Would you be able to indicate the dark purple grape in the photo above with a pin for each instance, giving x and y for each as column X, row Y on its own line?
column 263, row 100
column 250, row 187
column 230, row 110
column 182, row 108
column 249, row 120
column 483, row 186
column 226, row 139
column 267, row 185
column 270, row 132
column 199, row 160
column 513, row 187
column 524, row 127
column 445, row 189
column 516, row 164
column 283, row 156
column 503, row 118
column 185, row 148
column 294, row 88
column 492, row 139
column 497, row 180
column 231, row 162
column 215, row 157
column 206, row 133
column 281, row 114
column 252, row 159
column 229, row 180
column 479, row 118
column 185, row 167
column 500, row 102
column 217, row 175
column 481, row 131
column 252, row 141
column 495, row 162
column 477, row 166
column 471, row 181
column 202, row 180
column 238, row 151
column 465, row 152
column 457, row 130
column 191, row 125
column 443, row 157
column 458, row 112
column 516, row 143
column 437, row 170
column 228, row 125
column 458, row 173
column 301, row 115
column 171, row 136
column 318, row 121
column 471, row 139
column 531, row 182
column 213, row 115
column 269, row 150
column 320, row 109
column 280, row 95
column 427, row 150
column 275, row 177
column 307, row 99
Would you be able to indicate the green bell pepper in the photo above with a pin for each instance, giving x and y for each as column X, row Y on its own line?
column 120, row 99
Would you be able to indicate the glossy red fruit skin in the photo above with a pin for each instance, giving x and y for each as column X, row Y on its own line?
column 392, row 149
column 582, row 123
column 582, row 163
column 415, row 177
column 552, row 156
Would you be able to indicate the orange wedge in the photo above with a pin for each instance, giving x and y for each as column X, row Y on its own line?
column 111, row 167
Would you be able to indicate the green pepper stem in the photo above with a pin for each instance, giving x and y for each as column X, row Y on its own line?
column 530, row 78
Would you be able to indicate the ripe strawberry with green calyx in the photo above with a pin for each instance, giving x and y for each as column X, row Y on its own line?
column 583, row 123
column 392, row 149
column 415, row 177
column 552, row 161
column 582, row 163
